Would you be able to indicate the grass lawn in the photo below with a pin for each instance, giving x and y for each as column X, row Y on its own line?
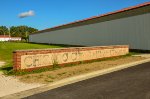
column 6, row 49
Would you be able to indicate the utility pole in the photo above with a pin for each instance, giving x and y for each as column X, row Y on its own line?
column 26, row 36
column 4, row 33
column 9, row 33
column 4, row 36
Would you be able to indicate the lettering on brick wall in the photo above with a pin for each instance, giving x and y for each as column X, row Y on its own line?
column 39, row 60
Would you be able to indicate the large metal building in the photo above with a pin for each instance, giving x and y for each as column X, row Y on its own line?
column 129, row 26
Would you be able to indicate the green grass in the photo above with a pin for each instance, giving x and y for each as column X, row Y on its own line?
column 7, row 48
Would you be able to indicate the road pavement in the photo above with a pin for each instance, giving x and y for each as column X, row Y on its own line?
column 130, row 83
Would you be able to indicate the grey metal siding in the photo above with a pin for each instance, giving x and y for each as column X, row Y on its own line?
column 134, row 30
column 107, row 17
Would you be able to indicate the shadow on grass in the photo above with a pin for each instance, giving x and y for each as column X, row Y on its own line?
column 6, row 68
column 61, row 45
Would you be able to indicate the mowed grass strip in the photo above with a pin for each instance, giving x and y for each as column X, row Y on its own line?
column 7, row 48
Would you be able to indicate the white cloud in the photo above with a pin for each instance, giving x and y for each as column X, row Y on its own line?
column 26, row 14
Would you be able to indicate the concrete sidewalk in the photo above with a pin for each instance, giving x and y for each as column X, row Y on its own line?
column 143, row 55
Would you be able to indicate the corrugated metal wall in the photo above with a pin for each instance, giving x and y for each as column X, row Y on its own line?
column 134, row 30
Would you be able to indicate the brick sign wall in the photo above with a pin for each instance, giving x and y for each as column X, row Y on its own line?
column 32, row 59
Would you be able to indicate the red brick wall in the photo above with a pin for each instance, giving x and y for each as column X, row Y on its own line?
column 17, row 54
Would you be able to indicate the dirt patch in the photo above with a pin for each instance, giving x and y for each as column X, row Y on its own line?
column 55, row 75
column 11, row 85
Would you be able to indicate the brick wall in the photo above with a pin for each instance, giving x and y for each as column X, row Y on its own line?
column 39, row 58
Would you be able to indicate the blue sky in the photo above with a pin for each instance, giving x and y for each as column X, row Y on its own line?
column 49, row 13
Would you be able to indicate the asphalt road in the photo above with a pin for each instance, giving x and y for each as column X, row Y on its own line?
column 131, row 83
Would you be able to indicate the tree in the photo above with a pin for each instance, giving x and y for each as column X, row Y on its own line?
column 22, row 31
column 17, row 31
column 4, row 30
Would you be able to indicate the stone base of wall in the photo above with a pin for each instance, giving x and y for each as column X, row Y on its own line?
column 41, row 58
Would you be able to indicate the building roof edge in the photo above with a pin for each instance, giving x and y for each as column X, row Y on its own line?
column 94, row 17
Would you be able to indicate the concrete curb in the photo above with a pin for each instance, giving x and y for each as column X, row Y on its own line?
column 71, row 80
